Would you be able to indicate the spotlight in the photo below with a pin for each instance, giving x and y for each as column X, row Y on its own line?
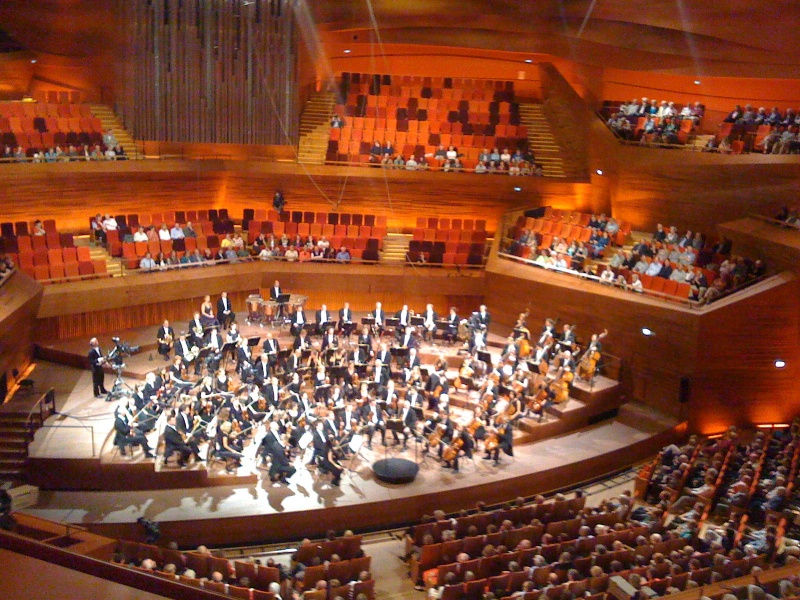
column 779, row 364
column 599, row 171
column 517, row 189
column 697, row 82
column 647, row 332
column 529, row 60
column 33, row 61
column 347, row 51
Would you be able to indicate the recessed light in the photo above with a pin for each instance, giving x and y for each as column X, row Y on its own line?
column 599, row 171
column 779, row 364
column 33, row 61
column 517, row 189
column 529, row 60
column 697, row 82
column 347, row 51
column 646, row 331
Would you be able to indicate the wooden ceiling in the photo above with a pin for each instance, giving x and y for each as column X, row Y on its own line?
column 696, row 37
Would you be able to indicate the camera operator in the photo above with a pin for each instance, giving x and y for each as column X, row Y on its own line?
column 96, row 362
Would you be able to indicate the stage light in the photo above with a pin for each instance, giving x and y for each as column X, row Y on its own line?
column 599, row 171
column 647, row 332
column 517, row 189
column 33, row 61
column 779, row 364
column 529, row 60
column 697, row 82
column 347, row 51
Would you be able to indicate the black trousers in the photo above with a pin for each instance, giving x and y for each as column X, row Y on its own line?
column 97, row 380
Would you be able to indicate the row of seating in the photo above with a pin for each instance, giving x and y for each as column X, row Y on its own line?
column 315, row 230
column 447, row 223
column 28, row 243
column 39, row 142
column 322, row 218
column 131, row 252
column 30, row 110
column 449, row 235
column 454, row 87
column 50, row 124
column 132, row 221
column 65, row 271
column 9, row 229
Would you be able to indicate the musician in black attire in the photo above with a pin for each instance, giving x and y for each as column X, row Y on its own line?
column 330, row 461
column 228, row 446
column 125, row 434
column 459, row 433
column 452, row 326
column 261, row 371
column 372, row 417
column 298, row 321
column 345, row 316
column 280, row 469
column 173, row 442
column 271, row 348
column 196, row 331
column 408, row 416
column 275, row 293
column 301, row 342
column 483, row 318
column 441, row 422
column 506, row 443
column 379, row 315
column 166, row 338
column 225, row 314
column 96, row 362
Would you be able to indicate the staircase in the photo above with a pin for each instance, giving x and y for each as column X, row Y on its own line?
column 315, row 128
column 541, row 140
column 113, row 265
column 395, row 247
column 15, row 435
column 111, row 121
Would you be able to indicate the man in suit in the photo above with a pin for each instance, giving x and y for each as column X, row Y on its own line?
column 261, row 371
column 184, row 351
column 408, row 417
column 298, row 321
column 409, row 338
column 166, row 338
column 330, row 340
column 452, row 325
column 271, row 348
column 196, row 331
column 345, row 316
column 429, row 325
column 274, row 294
column 173, row 442
column 244, row 357
column 96, row 362
column 323, row 317
column 280, row 469
column 125, row 434
column 225, row 314
column 301, row 342
column 272, row 391
column 404, row 317
column 379, row 315
column 483, row 318
column 372, row 417
column 294, row 361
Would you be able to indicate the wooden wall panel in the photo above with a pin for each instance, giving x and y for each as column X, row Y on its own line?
column 736, row 381
column 71, row 193
column 19, row 303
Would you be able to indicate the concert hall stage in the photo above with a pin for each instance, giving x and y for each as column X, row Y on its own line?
column 85, row 481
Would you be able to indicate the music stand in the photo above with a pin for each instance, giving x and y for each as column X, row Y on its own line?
column 253, row 341
column 418, row 320
column 282, row 300
column 227, row 349
column 338, row 373
column 485, row 357
column 348, row 328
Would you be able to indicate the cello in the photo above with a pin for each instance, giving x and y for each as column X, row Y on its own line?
column 588, row 363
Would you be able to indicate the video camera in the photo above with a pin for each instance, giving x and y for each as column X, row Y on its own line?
column 121, row 350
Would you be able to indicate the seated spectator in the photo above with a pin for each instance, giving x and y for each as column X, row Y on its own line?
column 50, row 156
column 20, row 155
column 398, row 162
column 505, row 156
column 734, row 115
column 513, row 169
column 636, row 284
column 119, row 153
column 188, row 231
column 343, row 256
column 96, row 153
column 480, row 168
column 140, row 235
column 109, row 139
column 411, row 163
column 494, row 157
column 451, row 154
column 38, row 229
column 607, row 277
column 109, row 154
column 376, row 152
column 176, row 233
column 160, row 261
column 388, row 153
column 440, row 154
column 337, row 122
column 163, row 233
column 538, row 171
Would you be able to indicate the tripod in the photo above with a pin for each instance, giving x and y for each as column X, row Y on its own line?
column 118, row 389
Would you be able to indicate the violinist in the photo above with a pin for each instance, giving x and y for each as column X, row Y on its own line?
column 207, row 391
column 183, row 420
column 232, row 336
column 221, row 382
column 347, row 416
column 228, row 447
column 336, row 397
column 413, row 397
column 330, row 461
column 176, row 373
column 301, row 342
column 510, row 347
column 372, row 417
column 460, row 442
column 465, row 376
column 408, row 417
column 166, row 337
column 126, row 435
column 330, row 341
column 294, row 362
column 174, row 442
column 413, row 377
column 381, row 374
column 436, row 385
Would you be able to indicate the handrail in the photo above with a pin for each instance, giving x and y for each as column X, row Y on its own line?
column 120, row 574
column 426, row 167
column 84, row 427
column 48, row 398
column 773, row 221
column 8, row 275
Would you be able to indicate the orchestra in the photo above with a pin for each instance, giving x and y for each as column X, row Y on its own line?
column 328, row 393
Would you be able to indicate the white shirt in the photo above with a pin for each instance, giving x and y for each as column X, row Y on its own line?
column 140, row 236
column 110, row 224
column 163, row 234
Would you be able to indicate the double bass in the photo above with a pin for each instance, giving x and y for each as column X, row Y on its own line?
column 588, row 363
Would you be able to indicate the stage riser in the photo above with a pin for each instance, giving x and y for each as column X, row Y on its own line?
column 93, row 475
column 294, row 525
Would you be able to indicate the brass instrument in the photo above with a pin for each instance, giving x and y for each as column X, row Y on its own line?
column 167, row 341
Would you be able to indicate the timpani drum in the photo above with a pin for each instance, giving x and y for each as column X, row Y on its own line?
column 254, row 306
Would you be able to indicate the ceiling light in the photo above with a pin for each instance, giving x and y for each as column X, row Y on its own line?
column 599, row 171
column 646, row 331
column 529, row 60
column 779, row 364
column 33, row 61
column 347, row 51
column 697, row 82
column 517, row 189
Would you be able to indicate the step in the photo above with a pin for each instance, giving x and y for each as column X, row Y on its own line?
column 13, row 463
column 11, row 453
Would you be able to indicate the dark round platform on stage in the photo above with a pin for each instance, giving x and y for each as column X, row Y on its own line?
column 395, row 470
